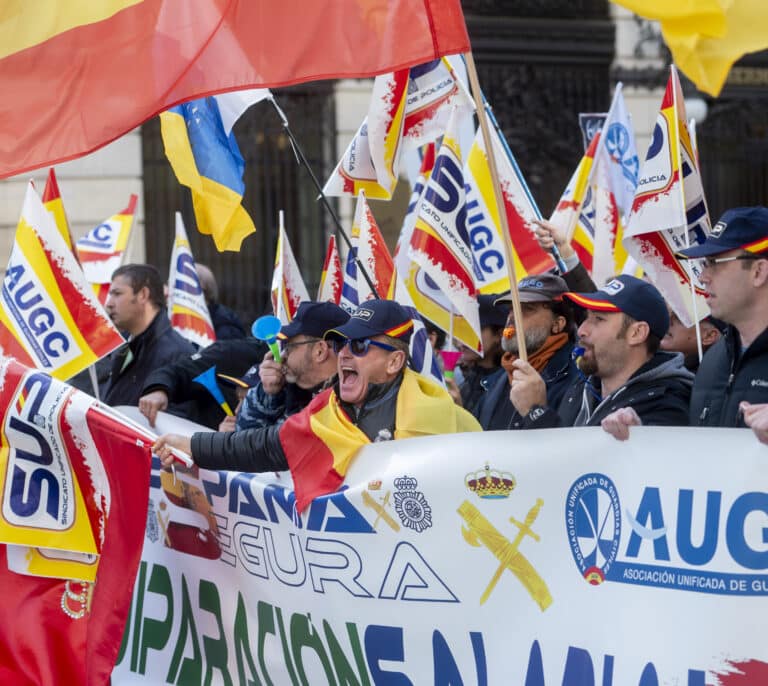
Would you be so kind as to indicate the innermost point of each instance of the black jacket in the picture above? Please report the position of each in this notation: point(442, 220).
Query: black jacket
point(226, 323)
point(157, 346)
point(727, 376)
point(260, 450)
point(659, 392)
point(496, 411)
point(232, 357)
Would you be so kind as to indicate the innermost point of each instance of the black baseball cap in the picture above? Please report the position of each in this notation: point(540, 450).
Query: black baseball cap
point(635, 297)
point(375, 318)
point(538, 288)
point(492, 309)
point(314, 319)
point(741, 227)
point(247, 380)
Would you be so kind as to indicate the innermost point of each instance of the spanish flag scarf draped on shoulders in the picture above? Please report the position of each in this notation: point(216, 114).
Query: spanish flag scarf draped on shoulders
point(321, 441)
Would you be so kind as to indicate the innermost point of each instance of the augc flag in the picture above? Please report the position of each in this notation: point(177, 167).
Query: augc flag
point(440, 243)
point(483, 225)
point(74, 478)
point(205, 157)
point(669, 211)
point(186, 301)
point(102, 249)
point(50, 317)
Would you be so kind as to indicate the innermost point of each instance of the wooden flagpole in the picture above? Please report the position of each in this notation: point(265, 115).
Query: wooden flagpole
point(509, 253)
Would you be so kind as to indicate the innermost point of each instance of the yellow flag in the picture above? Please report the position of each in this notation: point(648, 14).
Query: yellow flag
point(707, 36)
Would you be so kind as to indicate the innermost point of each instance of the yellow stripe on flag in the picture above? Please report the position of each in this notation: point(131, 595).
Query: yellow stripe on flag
point(24, 24)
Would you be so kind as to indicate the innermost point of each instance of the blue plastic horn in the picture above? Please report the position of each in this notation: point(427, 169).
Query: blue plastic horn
point(266, 329)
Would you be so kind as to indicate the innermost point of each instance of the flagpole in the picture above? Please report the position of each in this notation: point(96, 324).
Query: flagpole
point(699, 348)
point(509, 253)
point(301, 158)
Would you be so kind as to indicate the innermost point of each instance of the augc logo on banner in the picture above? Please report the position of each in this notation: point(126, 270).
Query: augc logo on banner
point(38, 483)
point(35, 317)
point(683, 539)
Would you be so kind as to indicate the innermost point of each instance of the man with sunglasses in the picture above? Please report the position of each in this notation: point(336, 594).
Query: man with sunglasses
point(733, 375)
point(375, 398)
point(308, 366)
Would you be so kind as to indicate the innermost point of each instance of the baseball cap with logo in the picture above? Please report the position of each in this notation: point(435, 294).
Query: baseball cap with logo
point(376, 318)
point(313, 319)
point(538, 288)
point(630, 295)
point(741, 227)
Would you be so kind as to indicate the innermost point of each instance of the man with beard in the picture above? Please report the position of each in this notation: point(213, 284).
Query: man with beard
point(549, 333)
point(375, 398)
point(621, 366)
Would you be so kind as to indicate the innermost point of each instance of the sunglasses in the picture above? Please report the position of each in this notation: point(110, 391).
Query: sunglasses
point(359, 346)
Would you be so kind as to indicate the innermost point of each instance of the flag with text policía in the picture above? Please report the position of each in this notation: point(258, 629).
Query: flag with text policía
point(50, 318)
point(187, 308)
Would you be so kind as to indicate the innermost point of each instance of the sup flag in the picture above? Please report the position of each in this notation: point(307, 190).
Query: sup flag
point(329, 289)
point(186, 301)
point(612, 187)
point(54, 204)
point(288, 288)
point(669, 211)
point(201, 147)
point(74, 499)
point(483, 224)
point(102, 249)
point(440, 245)
point(50, 318)
point(408, 108)
point(176, 51)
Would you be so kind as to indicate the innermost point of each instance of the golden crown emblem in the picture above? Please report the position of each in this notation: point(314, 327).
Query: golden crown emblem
point(490, 484)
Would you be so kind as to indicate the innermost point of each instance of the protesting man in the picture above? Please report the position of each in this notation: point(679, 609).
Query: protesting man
point(136, 305)
point(375, 398)
point(308, 367)
point(621, 365)
point(549, 333)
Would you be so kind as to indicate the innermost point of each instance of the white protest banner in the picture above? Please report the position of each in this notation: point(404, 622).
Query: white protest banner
point(539, 558)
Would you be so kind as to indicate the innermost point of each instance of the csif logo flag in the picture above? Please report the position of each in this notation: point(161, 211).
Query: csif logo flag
point(50, 317)
point(102, 249)
point(669, 212)
point(187, 308)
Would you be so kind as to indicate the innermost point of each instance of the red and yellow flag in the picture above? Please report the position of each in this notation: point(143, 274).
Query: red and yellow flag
point(92, 71)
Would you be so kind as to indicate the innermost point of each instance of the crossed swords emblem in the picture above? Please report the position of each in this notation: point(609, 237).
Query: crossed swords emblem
point(480, 532)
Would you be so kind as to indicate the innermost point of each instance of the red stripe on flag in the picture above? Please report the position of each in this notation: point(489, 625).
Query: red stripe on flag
point(174, 51)
point(439, 253)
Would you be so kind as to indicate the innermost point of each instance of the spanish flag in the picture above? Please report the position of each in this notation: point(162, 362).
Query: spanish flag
point(321, 441)
point(78, 75)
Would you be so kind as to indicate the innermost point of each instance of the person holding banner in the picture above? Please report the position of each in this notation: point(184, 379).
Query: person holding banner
point(136, 305)
point(308, 367)
point(549, 335)
point(376, 398)
point(621, 366)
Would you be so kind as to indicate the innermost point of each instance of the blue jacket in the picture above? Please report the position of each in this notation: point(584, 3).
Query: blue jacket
point(496, 412)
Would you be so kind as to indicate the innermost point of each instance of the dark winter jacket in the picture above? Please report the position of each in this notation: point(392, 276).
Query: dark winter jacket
point(260, 409)
point(226, 323)
point(727, 376)
point(496, 411)
point(659, 392)
point(260, 450)
point(232, 357)
point(157, 346)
